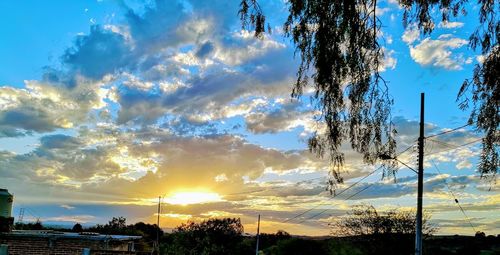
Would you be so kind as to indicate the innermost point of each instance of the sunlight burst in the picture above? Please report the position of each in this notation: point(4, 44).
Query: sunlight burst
point(188, 198)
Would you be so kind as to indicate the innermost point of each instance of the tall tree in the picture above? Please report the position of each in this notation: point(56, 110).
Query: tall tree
point(339, 51)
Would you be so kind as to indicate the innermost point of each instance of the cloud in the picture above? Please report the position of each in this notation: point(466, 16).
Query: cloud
point(389, 61)
point(280, 117)
point(70, 218)
point(172, 60)
point(84, 164)
point(411, 34)
point(69, 207)
point(61, 160)
point(437, 53)
point(60, 142)
point(44, 106)
point(100, 53)
point(451, 24)
point(205, 49)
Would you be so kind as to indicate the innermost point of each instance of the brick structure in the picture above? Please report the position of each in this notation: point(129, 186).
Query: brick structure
point(63, 243)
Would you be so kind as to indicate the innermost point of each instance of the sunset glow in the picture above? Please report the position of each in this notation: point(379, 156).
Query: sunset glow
point(193, 197)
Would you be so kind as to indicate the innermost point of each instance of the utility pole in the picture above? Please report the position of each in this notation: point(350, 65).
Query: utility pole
point(258, 232)
point(418, 230)
point(158, 226)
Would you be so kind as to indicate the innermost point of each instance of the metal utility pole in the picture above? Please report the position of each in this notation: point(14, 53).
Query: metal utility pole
point(258, 232)
point(418, 230)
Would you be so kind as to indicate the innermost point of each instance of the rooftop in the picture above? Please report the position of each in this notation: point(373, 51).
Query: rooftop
point(69, 235)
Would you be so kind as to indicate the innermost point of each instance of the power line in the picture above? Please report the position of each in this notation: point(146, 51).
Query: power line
point(314, 207)
point(449, 131)
point(454, 197)
point(351, 196)
point(405, 150)
point(456, 147)
point(405, 164)
point(272, 188)
point(449, 145)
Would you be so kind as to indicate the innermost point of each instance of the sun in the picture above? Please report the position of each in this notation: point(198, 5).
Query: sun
point(192, 197)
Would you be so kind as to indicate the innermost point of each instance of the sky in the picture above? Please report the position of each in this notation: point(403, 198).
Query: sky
point(106, 105)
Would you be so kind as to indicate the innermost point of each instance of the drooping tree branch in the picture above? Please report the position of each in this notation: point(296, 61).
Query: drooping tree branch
point(482, 92)
point(339, 52)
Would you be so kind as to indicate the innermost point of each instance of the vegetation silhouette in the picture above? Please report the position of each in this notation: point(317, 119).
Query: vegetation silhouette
point(365, 220)
point(226, 236)
point(77, 228)
point(213, 236)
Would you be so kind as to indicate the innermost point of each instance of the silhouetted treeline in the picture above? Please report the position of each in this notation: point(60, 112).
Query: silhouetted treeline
point(226, 236)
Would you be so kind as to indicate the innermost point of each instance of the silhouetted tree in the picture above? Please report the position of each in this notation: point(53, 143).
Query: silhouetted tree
point(365, 220)
point(38, 225)
point(339, 50)
point(77, 228)
point(147, 231)
point(117, 222)
point(213, 236)
point(480, 234)
point(28, 226)
point(118, 226)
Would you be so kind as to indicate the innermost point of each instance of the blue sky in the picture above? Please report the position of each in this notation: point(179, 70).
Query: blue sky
point(104, 105)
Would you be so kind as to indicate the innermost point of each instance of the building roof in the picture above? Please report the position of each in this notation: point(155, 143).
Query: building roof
point(69, 235)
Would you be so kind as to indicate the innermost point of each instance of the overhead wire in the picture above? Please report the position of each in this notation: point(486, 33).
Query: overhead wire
point(316, 206)
point(351, 196)
point(449, 131)
point(399, 154)
point(405, 150)
point(449, 145)
point(456, 147)
point(351, 186)
point(371, 184)
point(454, 197)
point(272, 188)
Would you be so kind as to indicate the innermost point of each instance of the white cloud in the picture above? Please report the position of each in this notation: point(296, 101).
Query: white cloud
point(438, 52)
point(464, 164)
point(480, 58)
point(389, 61)
point(69, 207)
point(411, 34)
point(451, 25)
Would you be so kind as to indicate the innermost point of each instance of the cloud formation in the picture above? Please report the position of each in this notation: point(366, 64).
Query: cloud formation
point(438, 53)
